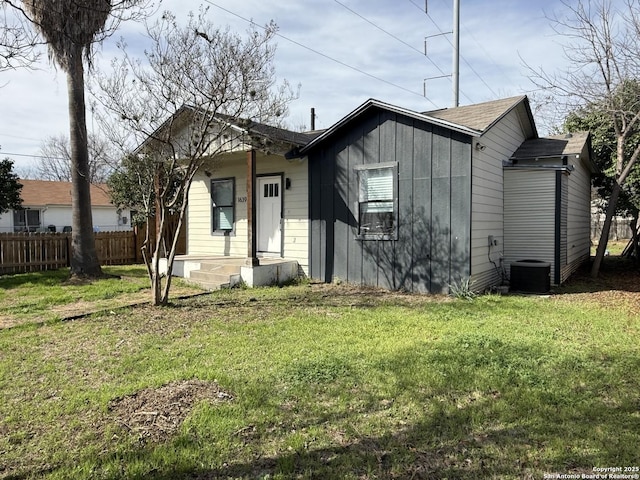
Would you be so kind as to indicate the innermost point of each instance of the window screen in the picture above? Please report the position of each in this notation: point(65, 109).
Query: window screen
point(377, 205)
point(222, 194)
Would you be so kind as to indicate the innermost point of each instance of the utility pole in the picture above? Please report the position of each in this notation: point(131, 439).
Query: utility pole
point(455, 71)
point(456, 53)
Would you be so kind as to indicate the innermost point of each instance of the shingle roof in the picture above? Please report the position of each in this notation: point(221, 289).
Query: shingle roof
point(277, 134)
point(480, 116)
point(471, 119)
point(553, 146)
point(41, 193)
point(372, 103)
point(254, 129)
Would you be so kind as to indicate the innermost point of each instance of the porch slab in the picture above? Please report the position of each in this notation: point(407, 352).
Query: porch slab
point(214, 272)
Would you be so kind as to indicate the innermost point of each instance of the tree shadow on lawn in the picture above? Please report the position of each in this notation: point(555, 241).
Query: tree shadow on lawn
point(616, 274)
point(50, 277)
point(487, 409)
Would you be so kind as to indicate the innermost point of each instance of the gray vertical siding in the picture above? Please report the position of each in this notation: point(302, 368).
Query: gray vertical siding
point(432, 248)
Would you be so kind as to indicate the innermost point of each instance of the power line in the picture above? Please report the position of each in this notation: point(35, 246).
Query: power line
point(422, 53)
point(30, 156)
point(390, 34)
point(443, 34)
point(484, 50)
point(21, 138)
point(461, 56)
point(324, 55)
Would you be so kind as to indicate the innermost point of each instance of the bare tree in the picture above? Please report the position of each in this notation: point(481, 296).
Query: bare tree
point(196, 80)
point(18, 43)
point(601, 48)
point(55, 159)
point(71, 28)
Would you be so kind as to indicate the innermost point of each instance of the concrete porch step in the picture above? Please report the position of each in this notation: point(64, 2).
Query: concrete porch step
point(214, 276)
point(220, 268)
point(209, 286)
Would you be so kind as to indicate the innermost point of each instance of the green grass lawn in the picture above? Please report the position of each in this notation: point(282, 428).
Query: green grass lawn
point(50, 296)
point(326, 382)
point(35, 295)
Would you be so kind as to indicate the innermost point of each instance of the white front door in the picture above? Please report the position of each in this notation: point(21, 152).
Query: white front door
point(269, 214)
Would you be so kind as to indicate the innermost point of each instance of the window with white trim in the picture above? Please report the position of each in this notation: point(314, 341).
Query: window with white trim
point(222, 195)
point(377, 203)
point(26, 220)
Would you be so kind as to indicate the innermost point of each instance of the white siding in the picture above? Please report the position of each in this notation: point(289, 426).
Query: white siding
point(487, 202)
point(201, 240)
point(530, 213)
point(579, 217)
point(105, 219)
point(222, 140)
point(6, 222)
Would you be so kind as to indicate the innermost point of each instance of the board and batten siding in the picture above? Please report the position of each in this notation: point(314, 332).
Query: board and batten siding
point(530, 215)
point(487, 215)
point(201, 240)
point(433, 166)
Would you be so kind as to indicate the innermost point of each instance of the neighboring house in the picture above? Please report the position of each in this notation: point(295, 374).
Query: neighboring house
point(399, 199)
point(418, 201)
point(46, 206)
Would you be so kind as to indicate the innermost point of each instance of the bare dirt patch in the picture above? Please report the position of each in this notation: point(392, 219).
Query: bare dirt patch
point(154, 414)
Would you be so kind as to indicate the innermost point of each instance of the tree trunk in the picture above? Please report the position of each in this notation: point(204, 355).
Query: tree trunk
point(157, 298)
point(84, 258)
point(633, 251)
point(156, 277)
point(606, 226)
point(174, 245)
point(156, 286)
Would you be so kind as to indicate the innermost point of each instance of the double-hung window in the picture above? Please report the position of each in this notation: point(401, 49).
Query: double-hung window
point(222, 195)
point(378, 202)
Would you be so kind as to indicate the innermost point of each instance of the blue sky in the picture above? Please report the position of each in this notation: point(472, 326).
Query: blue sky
point(382, 38)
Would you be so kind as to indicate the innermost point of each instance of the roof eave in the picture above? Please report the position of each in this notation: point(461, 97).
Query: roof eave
point(522, 100)
point(373, 103)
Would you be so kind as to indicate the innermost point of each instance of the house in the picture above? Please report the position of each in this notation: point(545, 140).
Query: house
point(46, 206)
point(419, 201)
point(247, 218)
point(399, 199)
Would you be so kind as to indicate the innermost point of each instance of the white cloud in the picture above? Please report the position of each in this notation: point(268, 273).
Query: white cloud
point(494, 35)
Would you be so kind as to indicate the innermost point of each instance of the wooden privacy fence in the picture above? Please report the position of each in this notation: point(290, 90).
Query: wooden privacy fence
point(621, 228)
point(31, 252)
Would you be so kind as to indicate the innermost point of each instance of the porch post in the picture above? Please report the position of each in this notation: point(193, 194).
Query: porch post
point(252, 258)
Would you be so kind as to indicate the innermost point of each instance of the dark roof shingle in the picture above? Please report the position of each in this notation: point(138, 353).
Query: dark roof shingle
point(480, 116)
point(552, 146)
